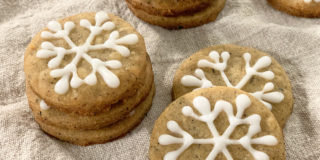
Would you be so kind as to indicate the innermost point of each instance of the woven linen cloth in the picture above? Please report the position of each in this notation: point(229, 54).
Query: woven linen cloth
point(293, 41)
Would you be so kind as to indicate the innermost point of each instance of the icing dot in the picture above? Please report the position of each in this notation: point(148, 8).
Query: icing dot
point(54, 26)
point(43, 105)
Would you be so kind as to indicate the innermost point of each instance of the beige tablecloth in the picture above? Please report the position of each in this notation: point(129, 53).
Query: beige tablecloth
point(294, 42)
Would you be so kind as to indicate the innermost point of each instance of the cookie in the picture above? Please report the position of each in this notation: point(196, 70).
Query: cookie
point(169, 7)
point(117, 112)
point(85, 63)
point(301, 8)
point(217, 123)
point(114, 131)
point(200, 17)
point(238, 67)
point(89, 78)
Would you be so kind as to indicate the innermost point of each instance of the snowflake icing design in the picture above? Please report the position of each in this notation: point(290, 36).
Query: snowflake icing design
point(219, 142)
point(199, 80)
point(114, 42)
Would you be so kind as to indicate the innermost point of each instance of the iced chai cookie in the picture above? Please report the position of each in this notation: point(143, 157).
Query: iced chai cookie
point(237, 67)
point(176, 14)
point(85, 63)
point(87, 75)
point(302, 8)
point(216, 123)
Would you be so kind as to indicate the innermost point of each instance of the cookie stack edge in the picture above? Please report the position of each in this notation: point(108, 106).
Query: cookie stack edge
point(89, 78)
point(203, 12)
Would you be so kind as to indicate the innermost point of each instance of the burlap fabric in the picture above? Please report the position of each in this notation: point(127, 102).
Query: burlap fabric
point(294, 42)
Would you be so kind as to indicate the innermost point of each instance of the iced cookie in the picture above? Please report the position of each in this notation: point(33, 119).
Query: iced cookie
point(102, 135)
point(302, 8)
point(217, 123)
point(180, 14)
point(85, 63)
point(117, 112)
point(237, 67)
point(89, 78)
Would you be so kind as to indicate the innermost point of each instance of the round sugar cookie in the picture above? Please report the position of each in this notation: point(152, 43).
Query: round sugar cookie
point(238, 67)
point(117, 112)
point(169, 7)
point(301, 8)
point(217, 123)
point(103, 135)
point(195, 19)
point(86, 62)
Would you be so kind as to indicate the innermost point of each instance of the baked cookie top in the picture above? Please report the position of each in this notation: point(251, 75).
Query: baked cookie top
point(302, 8)
point(238, 67)
point(85, 62)
point(169, 7)
point(217, 123)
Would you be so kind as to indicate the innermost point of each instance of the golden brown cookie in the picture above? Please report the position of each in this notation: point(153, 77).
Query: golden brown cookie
point(85, 63)
point(169, 7)
point(217, 123)
point(238, 67)
point(114, 131)
point(302, 8)
point(117, 112)
point(198, 18)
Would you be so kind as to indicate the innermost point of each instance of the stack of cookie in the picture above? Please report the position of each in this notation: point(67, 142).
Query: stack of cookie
point(176, 14)
point(230, 103)
point(89, 78)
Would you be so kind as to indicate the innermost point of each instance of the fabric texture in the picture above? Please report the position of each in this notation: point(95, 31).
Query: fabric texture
point(293, 41)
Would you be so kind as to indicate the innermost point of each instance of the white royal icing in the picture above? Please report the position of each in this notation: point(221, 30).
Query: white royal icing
point(219, 142)
point(309, 1)
point(43, 105)
point(200, 80)
point(81, 52)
